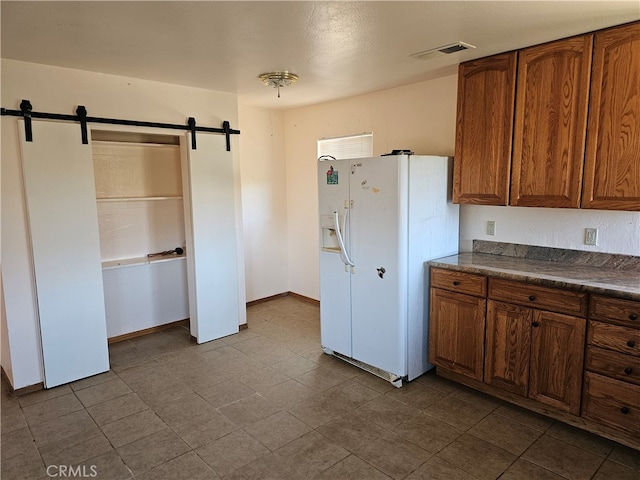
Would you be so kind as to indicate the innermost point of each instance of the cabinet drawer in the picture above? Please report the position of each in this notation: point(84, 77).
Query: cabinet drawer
point(614, 337)
point(624, 312)
point(545, 298)
point(612, 402)
point(461, 282)
point(613, 364)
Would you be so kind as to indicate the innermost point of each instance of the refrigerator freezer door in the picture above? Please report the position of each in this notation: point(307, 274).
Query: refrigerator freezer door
point(379, 250)
point(335, 281)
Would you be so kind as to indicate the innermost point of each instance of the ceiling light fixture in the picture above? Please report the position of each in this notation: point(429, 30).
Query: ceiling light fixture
point(278, 79)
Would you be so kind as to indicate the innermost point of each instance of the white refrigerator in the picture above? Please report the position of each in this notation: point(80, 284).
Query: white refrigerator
point(381, 218)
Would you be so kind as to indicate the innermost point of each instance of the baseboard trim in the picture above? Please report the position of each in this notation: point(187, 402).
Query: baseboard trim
point(24, 390)
point(304, 298)
point(266, 299)
point(147, 331)
point(310, 300)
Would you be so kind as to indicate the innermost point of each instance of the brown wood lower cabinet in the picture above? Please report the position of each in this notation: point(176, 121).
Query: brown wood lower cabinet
point(557, 354)
point(535, 354)
point(612, 380)
point(456, 333)
point(612, 402)
point(577, 361)
point(508, 347)
point(613, 364)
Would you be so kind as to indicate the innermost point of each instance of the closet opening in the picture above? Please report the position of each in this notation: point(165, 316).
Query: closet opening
point(139, 196)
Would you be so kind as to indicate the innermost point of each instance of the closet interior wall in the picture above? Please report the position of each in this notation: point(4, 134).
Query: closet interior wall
point(140, 212)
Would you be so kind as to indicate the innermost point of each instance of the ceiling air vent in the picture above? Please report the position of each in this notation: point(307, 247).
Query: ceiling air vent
point(440, 51)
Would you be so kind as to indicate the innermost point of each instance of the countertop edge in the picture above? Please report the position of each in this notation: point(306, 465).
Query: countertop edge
point(537, 279)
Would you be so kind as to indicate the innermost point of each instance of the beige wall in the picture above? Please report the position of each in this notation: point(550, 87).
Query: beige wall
point(419, 117)
point(264, 201)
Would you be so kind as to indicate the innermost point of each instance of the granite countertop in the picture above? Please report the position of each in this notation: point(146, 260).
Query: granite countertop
point(607, 274)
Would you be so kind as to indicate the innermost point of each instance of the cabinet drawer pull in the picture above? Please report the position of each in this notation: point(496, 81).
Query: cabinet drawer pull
point(535, 324)
point(628, 370)
point(624, 410)
point(633, 316)
point(456, 283)
point(631, 344)
point(532, 298)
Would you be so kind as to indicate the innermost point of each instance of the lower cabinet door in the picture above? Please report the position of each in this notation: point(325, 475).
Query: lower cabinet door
point(508, 347)
point(557, 358)
point(456, 332)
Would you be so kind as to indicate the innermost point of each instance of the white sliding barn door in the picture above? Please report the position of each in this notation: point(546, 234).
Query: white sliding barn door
point(61, 203)
point(210, 224)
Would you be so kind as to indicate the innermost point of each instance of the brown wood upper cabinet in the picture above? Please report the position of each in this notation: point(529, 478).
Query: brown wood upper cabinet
point(612, 161)
point(566, 133)
point(550, 123)
point(484, 126)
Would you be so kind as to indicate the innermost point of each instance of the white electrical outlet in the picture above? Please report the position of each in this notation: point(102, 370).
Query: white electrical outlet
point(491, 227)
point(590, 236)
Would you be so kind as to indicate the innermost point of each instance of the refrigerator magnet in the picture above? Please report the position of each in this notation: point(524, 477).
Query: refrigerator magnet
point(332, 176)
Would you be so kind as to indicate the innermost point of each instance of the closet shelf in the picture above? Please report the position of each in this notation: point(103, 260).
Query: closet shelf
point(131, 262)
point(138, 199)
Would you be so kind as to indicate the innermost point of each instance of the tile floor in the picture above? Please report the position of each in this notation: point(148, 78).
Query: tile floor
point(266, 403)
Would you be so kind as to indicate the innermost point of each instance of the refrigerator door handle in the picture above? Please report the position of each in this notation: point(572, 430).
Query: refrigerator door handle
point(343, 250)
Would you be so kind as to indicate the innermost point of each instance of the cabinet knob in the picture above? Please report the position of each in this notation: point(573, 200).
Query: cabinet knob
point(532, 298)
point(628, 370)
point(633, 316)
point(535, 324)
point(624, 410)
point(631, 344)
point(456, 283)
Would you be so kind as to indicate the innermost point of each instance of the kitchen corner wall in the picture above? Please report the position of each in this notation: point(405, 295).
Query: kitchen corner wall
point(264, 201)
point(421, 117)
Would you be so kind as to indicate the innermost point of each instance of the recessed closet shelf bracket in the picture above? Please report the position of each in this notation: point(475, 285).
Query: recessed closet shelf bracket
point(26, 112)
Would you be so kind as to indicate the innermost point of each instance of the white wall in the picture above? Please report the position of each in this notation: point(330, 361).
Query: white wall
point(421, 117)
point(618, 232)
point(264, 201)
point(60, 90)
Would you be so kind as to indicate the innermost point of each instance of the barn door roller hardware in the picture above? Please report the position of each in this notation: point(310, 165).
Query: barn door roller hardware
point(26, 112)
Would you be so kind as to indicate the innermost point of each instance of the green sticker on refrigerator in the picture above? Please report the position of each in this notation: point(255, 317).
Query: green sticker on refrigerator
point(332, 176)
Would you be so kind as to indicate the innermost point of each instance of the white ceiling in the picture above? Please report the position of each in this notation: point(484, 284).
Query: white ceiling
point(339, 49)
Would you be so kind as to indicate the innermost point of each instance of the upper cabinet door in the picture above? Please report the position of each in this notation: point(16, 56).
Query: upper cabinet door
point(612, 163)
point(550, 124)
point(484, 126)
